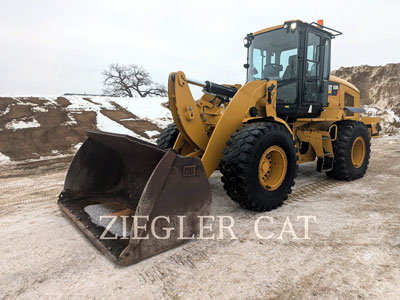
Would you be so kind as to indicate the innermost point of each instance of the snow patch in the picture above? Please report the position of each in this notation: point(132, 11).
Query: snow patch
point(152, 133)
point(19, 102)
point(4, 159)
point(71, 121)
point(39, 109)
point(150, 109)
point(50, 101)
point(77, 146)
point(106, 124)
point(22, 124)
point(2, 113)
point(128, 119)
point(94, 104)
point(45, 157)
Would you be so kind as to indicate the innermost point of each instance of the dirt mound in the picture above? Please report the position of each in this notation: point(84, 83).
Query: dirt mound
point(380, 91)
point(35, 128)
point(378, 85)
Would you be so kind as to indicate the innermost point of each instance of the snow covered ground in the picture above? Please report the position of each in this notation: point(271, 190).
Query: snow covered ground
point(36, 121)
point(106, 124)
point(150, 109)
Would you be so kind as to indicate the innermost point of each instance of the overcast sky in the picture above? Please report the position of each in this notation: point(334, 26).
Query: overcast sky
point(51, 47)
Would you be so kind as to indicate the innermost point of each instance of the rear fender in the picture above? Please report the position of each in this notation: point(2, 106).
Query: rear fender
point(372, 124)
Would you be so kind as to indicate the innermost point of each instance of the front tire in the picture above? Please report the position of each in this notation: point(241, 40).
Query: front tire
point(168, 137)
point(259, 166)
point(352, 150)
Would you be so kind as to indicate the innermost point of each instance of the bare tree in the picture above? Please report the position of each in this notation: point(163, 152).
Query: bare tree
point(126, 80)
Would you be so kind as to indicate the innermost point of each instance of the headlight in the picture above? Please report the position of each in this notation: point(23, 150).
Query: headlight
point(293, 26)
point(247, 40)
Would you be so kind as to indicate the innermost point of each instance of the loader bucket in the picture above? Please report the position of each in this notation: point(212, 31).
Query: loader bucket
point(125, 194)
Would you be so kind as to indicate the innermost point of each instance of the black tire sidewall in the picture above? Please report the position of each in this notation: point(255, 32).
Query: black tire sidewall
point(168, 137)
point(274, 138)
point(363, 132)
point(343, 168)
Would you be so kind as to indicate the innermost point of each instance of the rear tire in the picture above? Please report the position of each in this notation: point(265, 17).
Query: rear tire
point(352, 150)
point(243, 168)
point(168, 137)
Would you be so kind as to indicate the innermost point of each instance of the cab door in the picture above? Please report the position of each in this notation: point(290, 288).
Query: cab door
point(316, 72)
point(313, 85)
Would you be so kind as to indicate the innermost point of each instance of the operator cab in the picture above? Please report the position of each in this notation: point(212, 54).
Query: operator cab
point(297, 55)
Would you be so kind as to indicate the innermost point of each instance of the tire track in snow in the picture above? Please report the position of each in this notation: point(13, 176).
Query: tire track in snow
point(29, 200)
point(316, 187)
point(29, 190)
point(35, 184)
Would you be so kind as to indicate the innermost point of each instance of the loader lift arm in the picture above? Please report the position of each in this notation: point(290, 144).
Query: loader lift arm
point(188, 117)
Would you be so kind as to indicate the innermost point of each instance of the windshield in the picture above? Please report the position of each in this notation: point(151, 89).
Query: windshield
point(273, 55)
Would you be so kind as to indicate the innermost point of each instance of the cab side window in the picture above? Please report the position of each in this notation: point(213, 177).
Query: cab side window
point(313, 55)
point(312, 82)
point(327, 59)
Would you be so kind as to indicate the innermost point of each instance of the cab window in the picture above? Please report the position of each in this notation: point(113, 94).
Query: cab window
point(273, 56)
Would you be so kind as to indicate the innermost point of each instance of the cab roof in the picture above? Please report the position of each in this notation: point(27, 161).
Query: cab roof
point(275, 27)
point(331, 32)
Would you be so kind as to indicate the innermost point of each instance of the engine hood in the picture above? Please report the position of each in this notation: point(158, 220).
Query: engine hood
point(344, 82)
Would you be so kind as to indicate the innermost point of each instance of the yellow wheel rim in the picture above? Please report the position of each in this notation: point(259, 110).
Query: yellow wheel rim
point(272, 168)
point(358, 152)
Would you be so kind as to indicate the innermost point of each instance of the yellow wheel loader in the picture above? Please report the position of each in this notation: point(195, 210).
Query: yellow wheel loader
point(133, 199)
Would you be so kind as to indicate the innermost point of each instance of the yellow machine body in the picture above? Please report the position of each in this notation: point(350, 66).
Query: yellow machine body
point(205, 127)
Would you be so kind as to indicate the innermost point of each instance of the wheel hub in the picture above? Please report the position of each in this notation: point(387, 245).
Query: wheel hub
point(272, 168)
point(358, 152)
